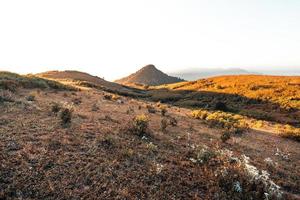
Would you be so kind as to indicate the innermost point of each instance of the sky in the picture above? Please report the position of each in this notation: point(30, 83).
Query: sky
point(113, 38)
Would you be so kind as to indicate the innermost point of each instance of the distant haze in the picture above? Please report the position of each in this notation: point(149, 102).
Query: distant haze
point(197, 73)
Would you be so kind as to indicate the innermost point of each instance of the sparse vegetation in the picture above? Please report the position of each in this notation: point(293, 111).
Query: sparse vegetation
point(41, 159)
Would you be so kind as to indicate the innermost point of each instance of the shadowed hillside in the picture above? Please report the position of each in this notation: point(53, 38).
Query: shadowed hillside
point(148, 75)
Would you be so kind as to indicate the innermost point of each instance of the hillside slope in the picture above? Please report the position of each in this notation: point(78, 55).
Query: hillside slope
point(58, 143)
point(148, 75)
point(87, 80)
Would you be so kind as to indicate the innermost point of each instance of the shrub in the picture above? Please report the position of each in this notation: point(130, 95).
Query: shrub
point(30, 97)
point(77, 101)
point(107, 97)
point(56, 107)
point(221, 119)
point(202, 155)
point(200, 114)
point(163, 125)
point(163, 110)
point(10, 85)
point(140, 125)
point(226, 135)
point(95, 107)
point(172, 121)
point(6, 95)
point(221, 106)
point(289, 131)
point(66, 115)
point(150, 109)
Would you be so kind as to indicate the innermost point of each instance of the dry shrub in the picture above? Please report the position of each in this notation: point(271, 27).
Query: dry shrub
point(95, 107)
point(226, 135)
point(77, 101)
point(163, 110)
point(221, 120)
point(66, 115)
point(107, 97)
point(150, 109)
point(56, 107)
point(289, 131)
point(163, 125)
point(173, 122)
point(30, 97)
point(221, 106)
point(138, 126)
point(6, 95)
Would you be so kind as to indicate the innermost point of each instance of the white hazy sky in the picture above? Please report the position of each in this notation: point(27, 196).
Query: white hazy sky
point(112, 38)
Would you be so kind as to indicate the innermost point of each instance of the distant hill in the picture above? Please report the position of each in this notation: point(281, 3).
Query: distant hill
point(85, 79)
point(195, 74)
point(149, 75)
point(76, 76)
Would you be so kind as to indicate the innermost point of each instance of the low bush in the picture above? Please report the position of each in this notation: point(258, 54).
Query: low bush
point(56, 107)
point(163, 125)
point(173, 121)
point(140, 125)
point(221, 119)
point(66, 115)
point(30, 97)
point(6, 95)
point(150, 109)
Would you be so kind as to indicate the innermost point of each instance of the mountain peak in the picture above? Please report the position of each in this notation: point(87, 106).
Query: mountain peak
point(149, 67)
point(148, 75)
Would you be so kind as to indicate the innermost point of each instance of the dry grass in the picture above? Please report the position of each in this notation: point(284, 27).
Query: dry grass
point(98, 157)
